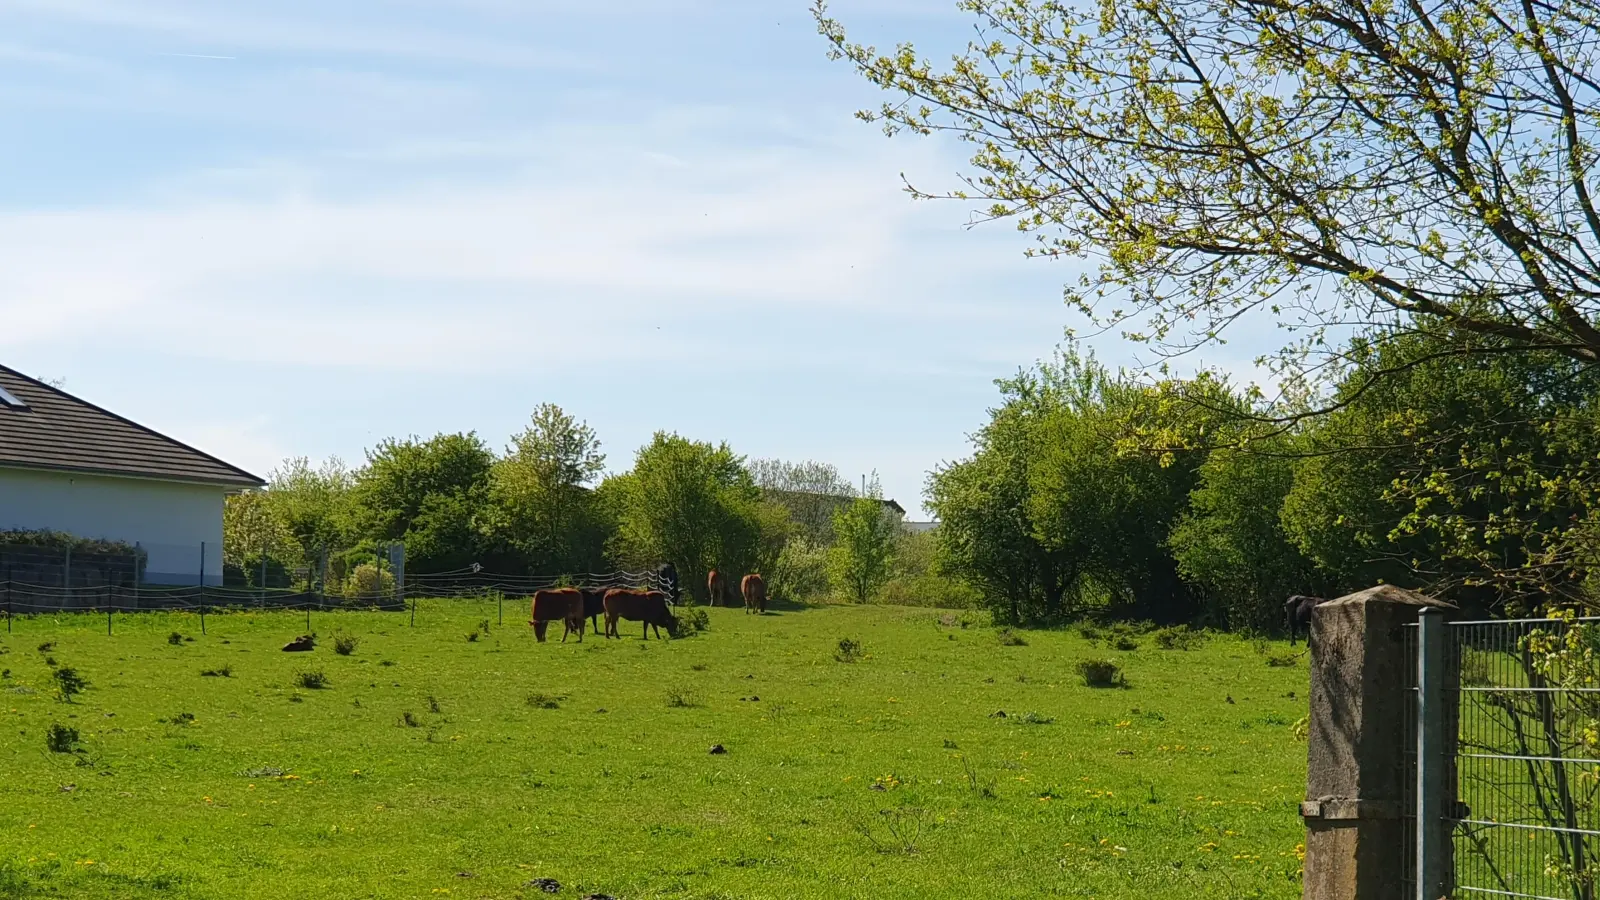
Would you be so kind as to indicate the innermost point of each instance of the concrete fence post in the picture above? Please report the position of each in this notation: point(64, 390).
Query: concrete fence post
point(1358, 773)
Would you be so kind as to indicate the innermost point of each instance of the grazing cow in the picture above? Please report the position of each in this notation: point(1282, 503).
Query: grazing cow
point(594, 604)
point(668, 576)
point(1297, 612)
point(754, 589)
point(649, 607)
point(557, 605)
point(714, 587)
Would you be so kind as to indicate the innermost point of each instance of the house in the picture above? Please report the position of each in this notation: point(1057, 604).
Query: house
point(920, 527)
point(69, 466)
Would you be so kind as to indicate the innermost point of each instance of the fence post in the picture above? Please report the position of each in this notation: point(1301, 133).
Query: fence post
point(1431, 762)
point(202, 565)
point(1358, 775)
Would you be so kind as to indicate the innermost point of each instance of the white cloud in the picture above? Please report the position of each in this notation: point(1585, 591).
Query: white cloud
point(463, 273)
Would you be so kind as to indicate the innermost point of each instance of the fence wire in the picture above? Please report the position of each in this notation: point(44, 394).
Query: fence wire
point(23, 598)
point(1527, 823)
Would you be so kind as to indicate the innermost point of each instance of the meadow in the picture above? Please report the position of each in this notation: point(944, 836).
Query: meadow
point(461, 759)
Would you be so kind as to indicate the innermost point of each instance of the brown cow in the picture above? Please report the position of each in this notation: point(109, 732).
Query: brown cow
point(714, 587)
point(558, 604)
point(754, 590)
point(649, 607)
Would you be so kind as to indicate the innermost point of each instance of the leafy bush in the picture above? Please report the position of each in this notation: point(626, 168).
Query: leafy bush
point(1090, 632)
point(409, 719)
point(849, 651)
point(929, 590)
point(1178, 637)
point(175, 639)
point(801, 572)
point(345, 644)
point(1124, 642)
point(1009, 638)
point(368, 582)
point(312, 680)
point(692, 620)
point(545, 701)
point(472, 637)
point(69, 683)
point(1101, 673)
point(681, 697)
point(223, 671)
point(62, 738)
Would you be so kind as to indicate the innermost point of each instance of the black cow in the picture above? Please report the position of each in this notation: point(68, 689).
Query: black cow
point(594, 604)
point(1297, 614)
point(668, 575)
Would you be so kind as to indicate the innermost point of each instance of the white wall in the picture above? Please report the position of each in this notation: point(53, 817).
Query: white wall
point(169, 520)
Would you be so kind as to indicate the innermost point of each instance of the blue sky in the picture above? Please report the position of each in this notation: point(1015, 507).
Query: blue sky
point(294, 228)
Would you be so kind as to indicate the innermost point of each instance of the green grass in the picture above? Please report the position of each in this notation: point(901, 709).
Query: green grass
point(429, 766)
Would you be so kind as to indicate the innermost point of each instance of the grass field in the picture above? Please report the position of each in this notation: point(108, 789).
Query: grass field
point(434, 766)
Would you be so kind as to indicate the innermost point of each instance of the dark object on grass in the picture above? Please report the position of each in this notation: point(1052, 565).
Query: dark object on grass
point(548, 885)
point(1001, 714)
point(718, 750)
point(1101, 673)
point(300, 644)
point(1297, 614)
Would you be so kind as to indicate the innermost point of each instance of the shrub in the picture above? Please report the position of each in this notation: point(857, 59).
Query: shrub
point(801, 572)
point(345, 644)
point(1283, 660)
point(311, 681)
point(61, 738)
point(409, 720)
point(692, 620)
point(849, 651)
point(175, 639)
point(1125, 643)
point(1101, 673)
point(472, 637)
point(681, 697)
point(69, 683)
point(1009, 638)
point(368, 582)
point(223, 671)
point(1090, 633)
point(545, 701)
point(47, 646)
point(1178, 637)
point(183, 718)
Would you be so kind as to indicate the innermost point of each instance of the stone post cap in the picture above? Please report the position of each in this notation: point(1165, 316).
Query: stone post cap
point(1388, 593)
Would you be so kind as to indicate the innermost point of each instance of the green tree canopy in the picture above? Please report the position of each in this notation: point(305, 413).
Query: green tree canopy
point(428, 494)
point(694, 504)
point(1331, 163)
point(540, 507)
point(864, 542)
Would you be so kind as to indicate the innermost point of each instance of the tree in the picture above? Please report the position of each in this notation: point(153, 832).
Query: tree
point(988, 537)
point(864, 533)
point(692, 503)
point(1331, 163)
point(540, 505)
point(428, 494)
point(812, 491)
point(1230, 543)
point(1471, 474)
point(251, 527)
point(313, 504)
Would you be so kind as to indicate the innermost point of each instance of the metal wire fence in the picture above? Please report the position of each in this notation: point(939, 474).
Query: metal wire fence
point(1527, 757)
point(21, 598)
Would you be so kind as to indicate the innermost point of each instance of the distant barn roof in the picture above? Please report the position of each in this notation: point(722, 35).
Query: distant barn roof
point(42, 427)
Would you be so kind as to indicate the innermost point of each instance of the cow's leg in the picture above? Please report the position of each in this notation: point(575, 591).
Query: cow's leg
point(646, 631)
point(539, 630)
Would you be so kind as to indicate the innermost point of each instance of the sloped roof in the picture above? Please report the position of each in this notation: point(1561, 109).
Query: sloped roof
point(54, 430)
